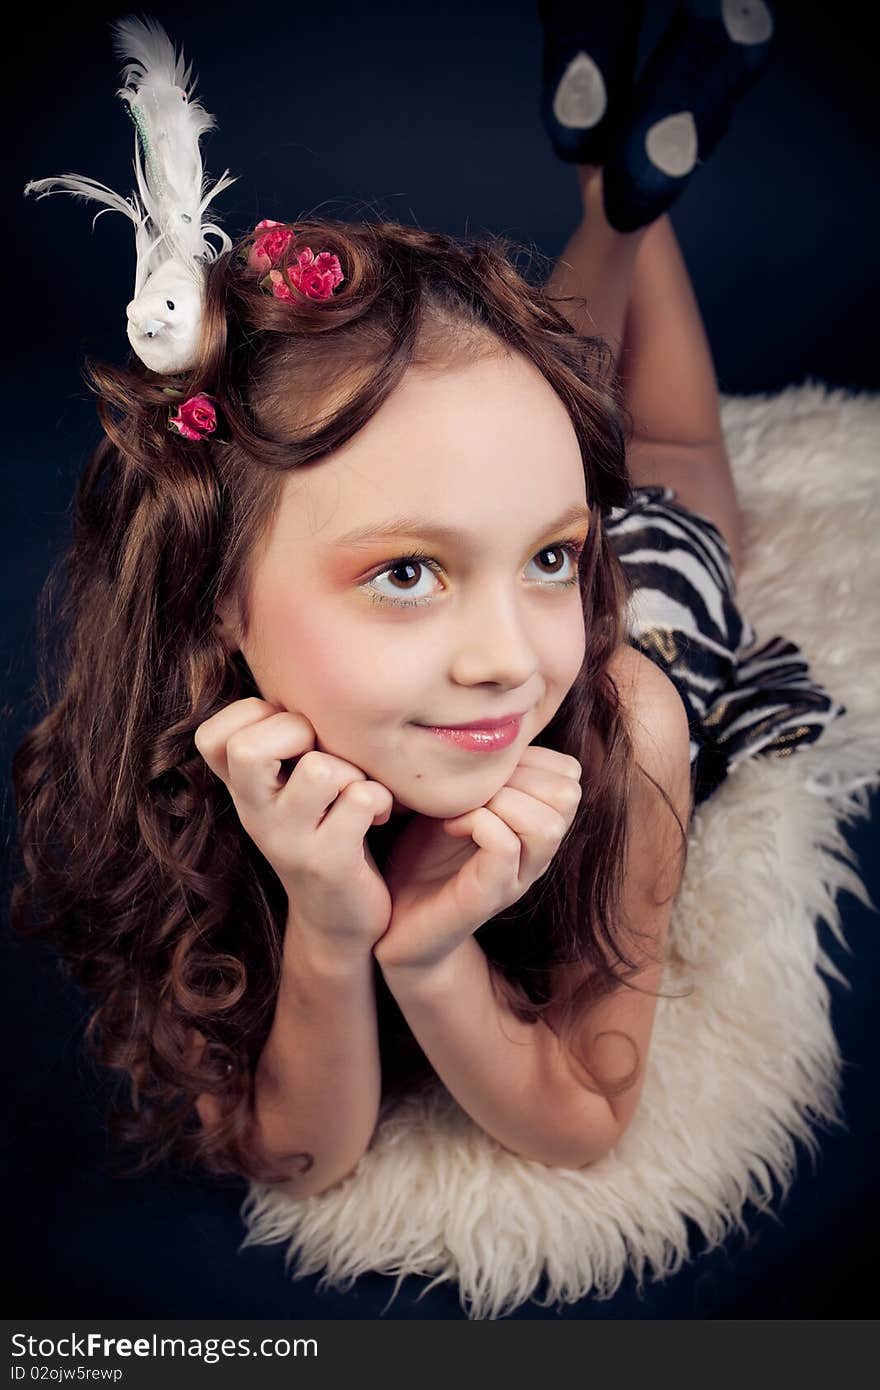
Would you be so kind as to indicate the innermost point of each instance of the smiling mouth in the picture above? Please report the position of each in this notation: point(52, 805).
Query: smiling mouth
point(495, 723)
point(480, 738)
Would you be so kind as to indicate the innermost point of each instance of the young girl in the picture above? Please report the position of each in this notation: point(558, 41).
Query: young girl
point(392, 671)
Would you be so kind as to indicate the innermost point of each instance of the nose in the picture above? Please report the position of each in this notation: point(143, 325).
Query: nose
point(152, 327)
point(493, 644)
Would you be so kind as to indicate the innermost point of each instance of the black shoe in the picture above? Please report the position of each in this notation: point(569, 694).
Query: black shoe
point(682, 104)
point(587, 70)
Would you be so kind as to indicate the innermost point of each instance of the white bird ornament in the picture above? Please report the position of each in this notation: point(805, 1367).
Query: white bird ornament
point(171, 240)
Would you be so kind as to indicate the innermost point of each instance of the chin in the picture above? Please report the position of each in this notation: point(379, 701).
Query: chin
point(443, 807)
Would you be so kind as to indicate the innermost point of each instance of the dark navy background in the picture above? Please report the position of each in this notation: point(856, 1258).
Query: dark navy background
point(427, 114)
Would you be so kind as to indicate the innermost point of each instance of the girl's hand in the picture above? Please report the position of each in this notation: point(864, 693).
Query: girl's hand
point(444, 886)
point(310, 824)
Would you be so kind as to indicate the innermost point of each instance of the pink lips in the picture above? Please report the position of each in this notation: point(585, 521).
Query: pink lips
point(481, 738)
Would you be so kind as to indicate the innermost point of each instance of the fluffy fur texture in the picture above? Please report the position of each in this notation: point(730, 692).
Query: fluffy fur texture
point(747, 1065)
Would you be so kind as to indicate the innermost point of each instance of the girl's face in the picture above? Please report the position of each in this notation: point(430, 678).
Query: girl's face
point(478, 469)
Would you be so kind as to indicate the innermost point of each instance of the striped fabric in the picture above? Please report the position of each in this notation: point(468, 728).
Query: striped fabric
point(741, 699)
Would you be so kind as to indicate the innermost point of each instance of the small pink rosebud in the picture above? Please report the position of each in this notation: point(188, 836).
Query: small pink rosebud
point(196, 418)
point(316, 276)
point(268, 249)
point(278, 287)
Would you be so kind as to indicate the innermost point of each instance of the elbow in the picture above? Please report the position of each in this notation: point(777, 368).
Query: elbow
point(317, 1181)
point(588, 1154)
point(325, 1184)
point(590, 1142)
point(325, 1172)
point(575, 1150)
point(288, 1167)
point(596, 1152)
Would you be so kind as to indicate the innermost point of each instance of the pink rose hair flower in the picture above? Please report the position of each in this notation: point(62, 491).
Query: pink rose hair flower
point(196, 418)
point(269, 248)
point(314, 276)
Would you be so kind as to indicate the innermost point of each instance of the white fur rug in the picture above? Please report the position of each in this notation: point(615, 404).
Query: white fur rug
point(747, 1064)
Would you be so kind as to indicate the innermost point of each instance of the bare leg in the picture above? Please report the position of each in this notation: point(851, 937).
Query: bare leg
point(640, 299)
point(596, 266)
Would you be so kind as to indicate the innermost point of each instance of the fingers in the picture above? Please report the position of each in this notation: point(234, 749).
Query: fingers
point(211, 737)
point(496, 869)
point(557, 790)
point(541, 827)
point(359, 805)
point(322, 785)
point(536, 756)
point(520, 836)
point(537, 807)
point(332, 886)
point(245, 742)
point(552, 779)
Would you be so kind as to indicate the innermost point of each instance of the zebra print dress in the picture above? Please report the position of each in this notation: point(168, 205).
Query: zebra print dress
point(741, 699)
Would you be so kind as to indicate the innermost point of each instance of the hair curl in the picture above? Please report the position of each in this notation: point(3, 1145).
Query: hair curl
point(136, 868)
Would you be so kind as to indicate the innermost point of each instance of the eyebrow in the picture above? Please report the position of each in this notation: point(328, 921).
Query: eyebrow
point(432, 530)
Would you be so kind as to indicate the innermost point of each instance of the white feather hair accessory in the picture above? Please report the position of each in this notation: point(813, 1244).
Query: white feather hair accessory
point(171, 240)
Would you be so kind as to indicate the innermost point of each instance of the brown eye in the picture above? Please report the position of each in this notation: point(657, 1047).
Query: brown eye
point(397, 569)
point(556, 552)
point(423, 566)
point(560, 553)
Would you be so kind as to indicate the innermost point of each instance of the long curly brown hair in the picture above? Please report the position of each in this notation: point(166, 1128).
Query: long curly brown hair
point(135, 866)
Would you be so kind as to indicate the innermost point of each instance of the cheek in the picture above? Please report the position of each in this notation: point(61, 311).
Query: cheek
point(381, 672)
point(579, 646)
point(341, 671)
point(564, 645)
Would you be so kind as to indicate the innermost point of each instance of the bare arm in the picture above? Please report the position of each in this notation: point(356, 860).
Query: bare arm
point(318, 1080)
point(509, 1076)
point(513, 1078)
point(317, 1083)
